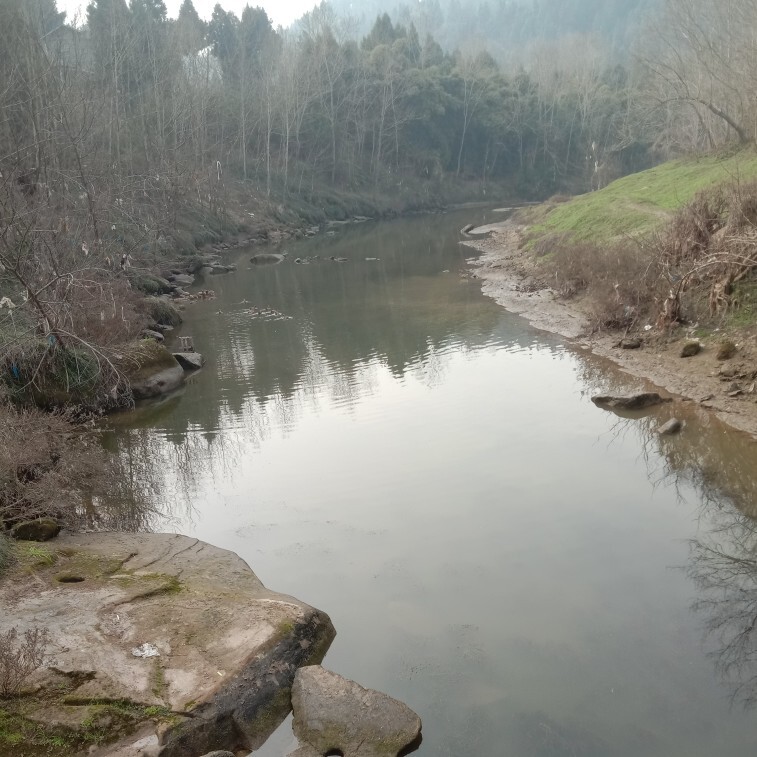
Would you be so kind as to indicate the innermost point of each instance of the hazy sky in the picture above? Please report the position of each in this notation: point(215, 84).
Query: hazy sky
point(281, 12)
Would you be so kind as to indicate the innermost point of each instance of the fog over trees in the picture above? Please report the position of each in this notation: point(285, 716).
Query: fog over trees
point(123, 121)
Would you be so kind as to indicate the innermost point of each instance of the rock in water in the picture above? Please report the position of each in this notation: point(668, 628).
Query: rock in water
point(189, 361)
point(632, 402)
point(673, 426)
point(42, 529)
point(333, 715)
point(691, 348)
point(267, 258)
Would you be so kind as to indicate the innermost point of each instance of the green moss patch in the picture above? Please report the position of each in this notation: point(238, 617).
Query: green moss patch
point(30, 727)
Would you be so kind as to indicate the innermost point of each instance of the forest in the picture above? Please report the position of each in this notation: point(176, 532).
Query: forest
point(125, 140)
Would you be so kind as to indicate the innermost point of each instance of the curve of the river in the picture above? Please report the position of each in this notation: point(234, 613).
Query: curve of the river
point(534, 576)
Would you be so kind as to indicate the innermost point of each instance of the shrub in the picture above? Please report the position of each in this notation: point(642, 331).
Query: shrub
point(49, 466)
point(623, 283)
point(20, 657)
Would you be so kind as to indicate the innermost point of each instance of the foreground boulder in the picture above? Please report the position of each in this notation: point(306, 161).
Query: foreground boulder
point(638, 401)
point(333, 715)
point(167, 645)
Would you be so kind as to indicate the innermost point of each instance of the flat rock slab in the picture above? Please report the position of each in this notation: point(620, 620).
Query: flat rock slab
point(333, 715)
point(639, 401)
point(228, 648)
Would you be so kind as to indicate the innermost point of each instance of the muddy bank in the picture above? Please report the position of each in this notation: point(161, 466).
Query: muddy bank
point(511, 277)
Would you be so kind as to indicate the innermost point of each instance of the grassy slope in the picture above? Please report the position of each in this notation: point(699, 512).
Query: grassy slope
point(636, 204)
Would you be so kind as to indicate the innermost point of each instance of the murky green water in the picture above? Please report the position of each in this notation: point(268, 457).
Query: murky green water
point(520, 567)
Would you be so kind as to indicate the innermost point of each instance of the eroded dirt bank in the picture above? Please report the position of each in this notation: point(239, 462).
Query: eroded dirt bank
point(725, 387)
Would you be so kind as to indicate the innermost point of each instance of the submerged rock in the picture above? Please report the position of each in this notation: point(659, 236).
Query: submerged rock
point(638, 401)
point(228, 647)
point(673, 426)
point(267, 258)
point(333, 715)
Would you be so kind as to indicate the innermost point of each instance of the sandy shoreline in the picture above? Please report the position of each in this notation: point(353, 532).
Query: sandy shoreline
point(508, 276)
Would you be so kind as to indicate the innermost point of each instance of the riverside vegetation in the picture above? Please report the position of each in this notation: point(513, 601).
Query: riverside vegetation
point(671, 246)
point(133, 144)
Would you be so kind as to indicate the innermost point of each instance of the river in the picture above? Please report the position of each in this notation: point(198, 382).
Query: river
point(531, 574)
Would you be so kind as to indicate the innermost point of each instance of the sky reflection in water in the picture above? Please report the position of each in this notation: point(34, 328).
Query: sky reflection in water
point(493, 549)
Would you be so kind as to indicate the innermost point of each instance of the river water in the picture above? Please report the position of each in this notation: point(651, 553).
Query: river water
point(533, 575)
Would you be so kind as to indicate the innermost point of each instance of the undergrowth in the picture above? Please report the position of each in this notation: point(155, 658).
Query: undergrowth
point(698, 266)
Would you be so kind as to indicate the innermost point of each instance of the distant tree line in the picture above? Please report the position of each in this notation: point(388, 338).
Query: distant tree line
point(138, 97)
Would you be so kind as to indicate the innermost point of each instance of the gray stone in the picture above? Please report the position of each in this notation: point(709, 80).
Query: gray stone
point(333, 714)
point(219, 754)
point(673, 426)
point(691, 348)
point(630, 344)
point(638, 401)
point(42, 529)
point(159, 382)
point(267, 258)
point(218, 269)
point(189, 361)
point(152, 334)
point(229, 647)
point(182, 279)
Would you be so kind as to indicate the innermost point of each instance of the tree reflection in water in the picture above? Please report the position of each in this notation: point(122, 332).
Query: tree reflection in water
point(721, 467)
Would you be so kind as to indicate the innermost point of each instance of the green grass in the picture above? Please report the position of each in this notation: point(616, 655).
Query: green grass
point(637, 204)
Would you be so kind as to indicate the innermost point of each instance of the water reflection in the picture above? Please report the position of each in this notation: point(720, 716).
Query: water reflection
point(416, 461)
point(721, 466)
point(354, 326)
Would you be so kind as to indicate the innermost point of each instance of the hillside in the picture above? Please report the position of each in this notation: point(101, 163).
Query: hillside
point(509, 27)
point(639, 203)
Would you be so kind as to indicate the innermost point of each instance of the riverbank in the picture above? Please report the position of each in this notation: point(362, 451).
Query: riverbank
point(513, 278)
